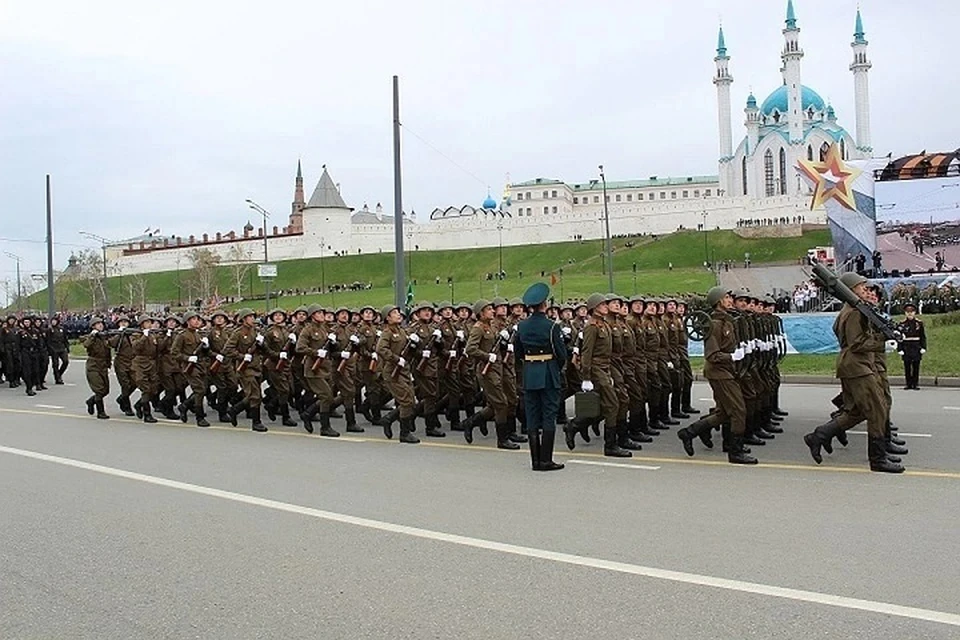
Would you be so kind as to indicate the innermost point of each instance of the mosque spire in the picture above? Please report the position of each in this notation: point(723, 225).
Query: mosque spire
point(791, 16)
point(859, 37)
point(721, 44)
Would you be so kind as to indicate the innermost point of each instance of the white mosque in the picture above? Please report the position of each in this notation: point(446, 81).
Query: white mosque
point(755, 181)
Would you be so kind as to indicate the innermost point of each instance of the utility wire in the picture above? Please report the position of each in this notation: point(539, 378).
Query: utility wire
point(445, 156)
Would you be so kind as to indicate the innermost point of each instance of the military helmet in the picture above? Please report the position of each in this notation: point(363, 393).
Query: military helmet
point(219, 312)
point(300, 309)
point(385, 311)
point(423, 304)
point(276, 311)
point(340, 308)
point(498, 302)
point(464, 305)
point(479, 306)
point(515, 301)
point(610, 297)
point(94, 320)
point(742, 293)
point(595, 300)
point(145, 318)
point(312, 309)
point(190, 314)
point(444, 304)
point(368, 306)
point(638, 298)
point(715, 295)
point(243, 313)
point(121, 318)
point(852, 279)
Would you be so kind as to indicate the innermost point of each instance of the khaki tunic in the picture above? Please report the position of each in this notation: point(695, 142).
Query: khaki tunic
point(390, 348)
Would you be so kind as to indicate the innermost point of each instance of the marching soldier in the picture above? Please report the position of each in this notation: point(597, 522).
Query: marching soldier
point(484, 350)
point(58, 348)
point(122, 344)
point(344, 374)
point(426, 380)
point(191, 352)
point(221, 372)
point(245, 347)
point(315, 344)
point(98, 368)
point(11, 352)
point(503, 323)
point(279, 343)
point(912, 347)
point(469, 387)
point(454, 340)
point(639, 428)
point(171, 378)
point(367, 374)
point(146, 367)
point(721, 353)
point(31, 350)
point(394, 350)
point(541, 347)
point(621, 368)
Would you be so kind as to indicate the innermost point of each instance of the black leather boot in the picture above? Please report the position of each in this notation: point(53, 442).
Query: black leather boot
point(287, 421)
point(737, 455)
point(675, 411)
point(635, 430)
point(876, 451)
point(101, 412)
point(624, 439)
point(183, 408)
point(685, 400)
point(147, 412)
point(611, 448)
point(387, 420)
point(307, 416)
point(351, 417)
point(890, 447)
point(257, 425)
point(325, 429)
point(820, 438)
point(453, 417)
point(200, 413)
point(535, 453)
point(235, 410)
point(503, 437)
point(433, 428)
point(570, 434)
point(664, 414)
point(468, 425)
point(406, 431)
point(91, 404)
point(515, 435)
point(138, 408)
point(694, 430)
point(546, 452)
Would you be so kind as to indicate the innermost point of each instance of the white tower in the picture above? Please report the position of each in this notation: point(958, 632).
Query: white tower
point(861, 88)
point(746, 171)
point(792, 54)
point(723, 80)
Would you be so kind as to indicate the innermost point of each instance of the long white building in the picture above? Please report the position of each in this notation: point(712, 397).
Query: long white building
point(754, 181)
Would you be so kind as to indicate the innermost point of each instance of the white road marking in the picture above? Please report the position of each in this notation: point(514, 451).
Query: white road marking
point(814, 597)
point(899, 433)
point(706, 399)
point(48, 406)
point(951, 408)
point(69, 384)
point(623, 465)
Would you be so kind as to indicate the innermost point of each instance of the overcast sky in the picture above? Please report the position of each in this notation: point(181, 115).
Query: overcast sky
point(170, 114)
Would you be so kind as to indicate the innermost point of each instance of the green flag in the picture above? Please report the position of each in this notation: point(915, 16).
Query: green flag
point(409, 295)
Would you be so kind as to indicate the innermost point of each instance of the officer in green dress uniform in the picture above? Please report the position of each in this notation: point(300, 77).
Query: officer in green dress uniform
point(539, 345)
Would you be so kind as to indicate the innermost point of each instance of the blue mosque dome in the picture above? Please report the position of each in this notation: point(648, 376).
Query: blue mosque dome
point(489, 203)
point(777, 101)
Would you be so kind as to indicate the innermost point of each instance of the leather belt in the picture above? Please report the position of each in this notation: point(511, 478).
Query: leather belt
point(538, 358)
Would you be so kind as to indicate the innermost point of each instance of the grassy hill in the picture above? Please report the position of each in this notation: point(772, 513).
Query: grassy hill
point(581, 263)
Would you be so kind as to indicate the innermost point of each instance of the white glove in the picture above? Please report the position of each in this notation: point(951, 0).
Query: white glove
point(402, 362)
point(510, 348)
point(283, 355)
point(260, 338)
point(220, 357)
point(580, 336)
point(93, 332)
point(437, 333)
point(292, 337)
point(169, 332)
point(146, 333)
point(460, 334)
point(425, 353)
point(192, 359)
point(586, 385)
point(890, 345)
point(453, 354)
point(374, 356)
point(900, 353)
point(321, 353)
point(332, 337)
point(205, 341)
point(379, 333)
point(492, 357)
point(355, 339)
point(248, 358)
point(504, 334)
point(669, 365)
point(737, 355)
point(922, 351)
point(414, 338)
point(576, 351)
point(345, 355)
point(746, 347)
point(566, 331)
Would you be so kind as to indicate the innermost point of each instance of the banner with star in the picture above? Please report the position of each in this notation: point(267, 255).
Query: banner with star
point(846, 191)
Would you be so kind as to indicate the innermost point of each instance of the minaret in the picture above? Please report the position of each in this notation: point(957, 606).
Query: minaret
point(861, 88)
point(296, 209)
point(753, 138)
point(723, 80)
point(792, 54)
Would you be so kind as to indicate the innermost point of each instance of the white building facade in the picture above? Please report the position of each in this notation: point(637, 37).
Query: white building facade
point(756, 181)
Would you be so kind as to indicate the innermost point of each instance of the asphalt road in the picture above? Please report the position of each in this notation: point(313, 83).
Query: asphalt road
point(115, 529)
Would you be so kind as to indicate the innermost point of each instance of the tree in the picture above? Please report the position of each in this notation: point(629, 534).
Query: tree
point(240, 264)
point(137, 292)
point(91, 276)
point(204, 263)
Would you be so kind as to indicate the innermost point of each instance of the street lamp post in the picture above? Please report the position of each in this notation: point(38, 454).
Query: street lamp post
point(103, 245)
point(266, 281)
point(19, 286)
point(606, 222)
point(500, 248)
point(706, 252)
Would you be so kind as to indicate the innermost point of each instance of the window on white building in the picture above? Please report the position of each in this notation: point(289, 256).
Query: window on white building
point(529, 211)
point(553, 194)
point(651, 196)
point(519, 196)
point(596, 199)
point(546, 194)
point(554, 209)
point(783, 172)
point(663, 195)
point(673, 195)
point(629, 197)
point(606, 198)
point(546, 209)
point(686, 194)
point(618, 197)
point(707, 193)
point(575, 200)
point(768, 173)
point(696, 193)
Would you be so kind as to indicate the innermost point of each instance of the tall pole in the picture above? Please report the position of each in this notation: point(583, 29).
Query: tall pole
point(500, 245)
point(51, 299)
point(606, 223)
point(399, 294)
point(19, 290)
point(266, 281)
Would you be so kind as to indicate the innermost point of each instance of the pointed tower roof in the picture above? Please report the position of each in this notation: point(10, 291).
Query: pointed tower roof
point(326, 194)
point(721, 44)
point(858, 34)
point(299, 172)
point(791, 16)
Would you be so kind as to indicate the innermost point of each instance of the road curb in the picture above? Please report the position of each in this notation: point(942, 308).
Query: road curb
point(925, 381)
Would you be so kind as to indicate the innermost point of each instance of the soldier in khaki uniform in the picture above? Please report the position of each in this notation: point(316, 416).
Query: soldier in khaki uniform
point(426, 373)
point(484, 348)
point(122, 344)
point(344, 372)
point(448, 364)
point(316, 344)
point(651, 347)
point(191, 351)
point(367, 375)
point(221, 372)
point(721, 352)
point(503, 322)
point(245, 347)
point(393, 352)
point(279, 344)
point(469, 387)
point(686, 371)
point(621, 368)
point(98, 367)
point(146, 367)
point(675, 337)
point(595, 369)
point(639, 427)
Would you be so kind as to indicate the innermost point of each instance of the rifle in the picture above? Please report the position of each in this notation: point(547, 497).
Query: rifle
point(328, 346)
point(575, 351)
point(288, 347)
point(196, 352)
point(436, 342)
point(829, 281)
point(508, 353)
point(242, 365)
point(373, 355)
point(499, 344)
point(458, 346)
point(351, 349)
point(409, 346)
